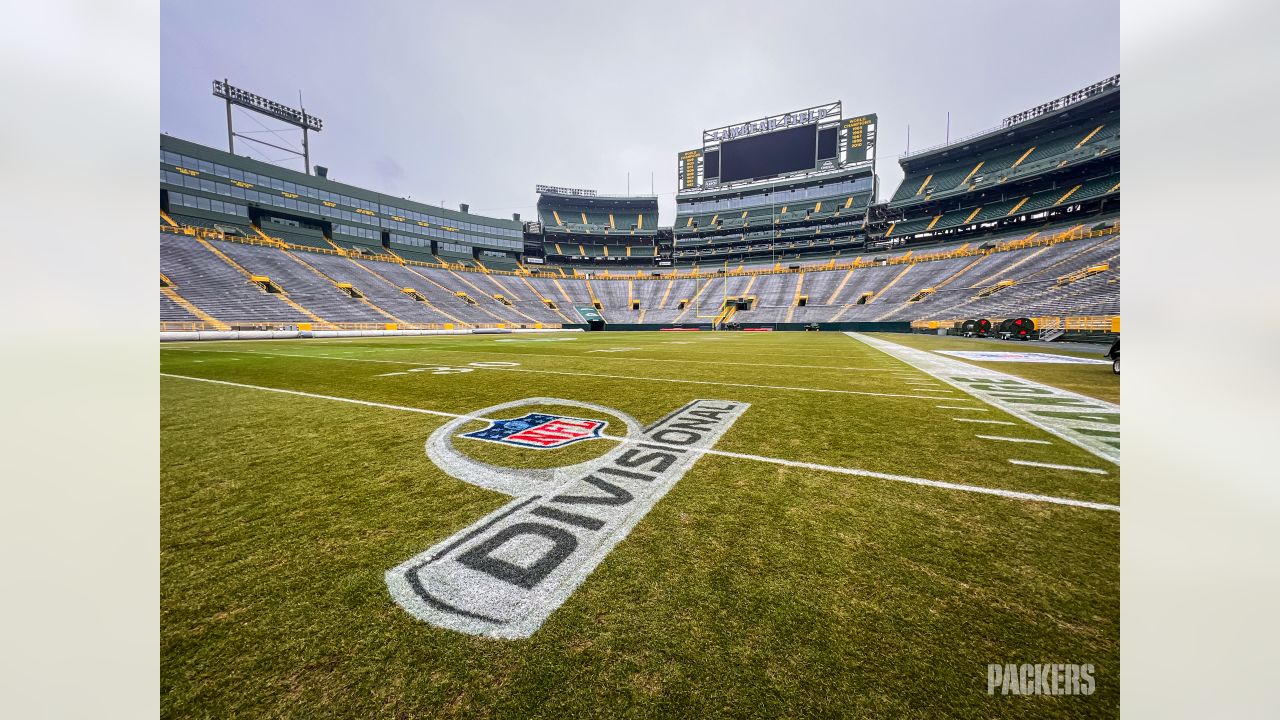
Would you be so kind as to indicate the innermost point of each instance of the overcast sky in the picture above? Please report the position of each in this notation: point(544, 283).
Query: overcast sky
point(477, 102)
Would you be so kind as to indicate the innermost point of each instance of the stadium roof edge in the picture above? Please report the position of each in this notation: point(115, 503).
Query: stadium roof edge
point(598, 196)
point(991, 133)
point(174, 143)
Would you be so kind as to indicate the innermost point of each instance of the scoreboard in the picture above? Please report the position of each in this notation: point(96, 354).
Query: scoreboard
point(860, 138)
point(804, 141)
point(769, 154)
point(689, 166)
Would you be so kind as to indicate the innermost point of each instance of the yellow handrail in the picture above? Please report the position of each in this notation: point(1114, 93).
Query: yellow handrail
point(1033, 240)
point(196, 326)
point(1068, 322)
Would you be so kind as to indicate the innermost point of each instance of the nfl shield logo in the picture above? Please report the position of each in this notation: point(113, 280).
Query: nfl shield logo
point(540, 431)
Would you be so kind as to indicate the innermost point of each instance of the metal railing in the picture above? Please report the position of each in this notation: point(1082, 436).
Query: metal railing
point(1098, 323)
point(293, 326)
point(1017, 119)
point(1033, 240)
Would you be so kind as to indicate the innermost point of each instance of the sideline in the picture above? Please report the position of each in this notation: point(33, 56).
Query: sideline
point(856, 472)
point(581, 374)
point(1085, 422)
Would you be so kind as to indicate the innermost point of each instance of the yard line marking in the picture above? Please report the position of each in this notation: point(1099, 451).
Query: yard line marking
point(317, 396)
point(455, 338)
point(985, 422)
point(599, 375)
point(629, 358)
point(593, 358)
point(1086, 422)
point(1017, 440)
point(954, 407)
point(920, 481)
point(857, 472)
point(725, 384)
point(1077, 468)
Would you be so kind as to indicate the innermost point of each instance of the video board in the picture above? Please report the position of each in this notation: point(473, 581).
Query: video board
point(770, 154)
point(804, 141)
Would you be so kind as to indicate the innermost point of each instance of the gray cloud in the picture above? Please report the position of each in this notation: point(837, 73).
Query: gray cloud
point(476, 102)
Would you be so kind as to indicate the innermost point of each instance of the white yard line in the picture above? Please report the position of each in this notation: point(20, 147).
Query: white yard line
point(724, 384)
point(595, 375)
point(857, 472)
point(462, 339)
point(1076, 468)
point(921, 481)
point(283, 391)
point(955, 407)
point(1015, 440)
point(628, 358)
point(1086, 422)
point(984, 422)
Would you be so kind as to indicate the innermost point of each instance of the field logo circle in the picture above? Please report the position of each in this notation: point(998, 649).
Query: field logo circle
point(517, 481)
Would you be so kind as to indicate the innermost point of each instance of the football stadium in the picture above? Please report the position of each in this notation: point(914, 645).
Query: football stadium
point(810, 447)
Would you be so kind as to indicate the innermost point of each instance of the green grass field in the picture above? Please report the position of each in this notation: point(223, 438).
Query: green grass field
point(758, 586)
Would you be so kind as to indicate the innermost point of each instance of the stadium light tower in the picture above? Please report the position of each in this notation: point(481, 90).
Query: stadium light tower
point(296, 117)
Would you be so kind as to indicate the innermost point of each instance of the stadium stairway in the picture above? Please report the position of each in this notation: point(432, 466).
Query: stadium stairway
point(171, 311)
point(175, 308)
point(552, 288)
point(574, 292)
point(1033, 293)
point(613, 296)
point(675, 291)
point(219, 282)
point(485, 302)
point(708, 296)
point(550, 304)
point(530, 312)
point(647, 293)
point(796, 296)
point(349, 291)
point(431, 285)
point(311, 290)
point(267, 284)
point(591, 293)
point(380, 292)
point(219, 287)
point(926, 276)
point(1061, 147)
point(412, 292)
point(1000, 266)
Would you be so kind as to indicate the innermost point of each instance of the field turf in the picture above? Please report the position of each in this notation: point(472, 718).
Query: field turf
point(759, 586)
